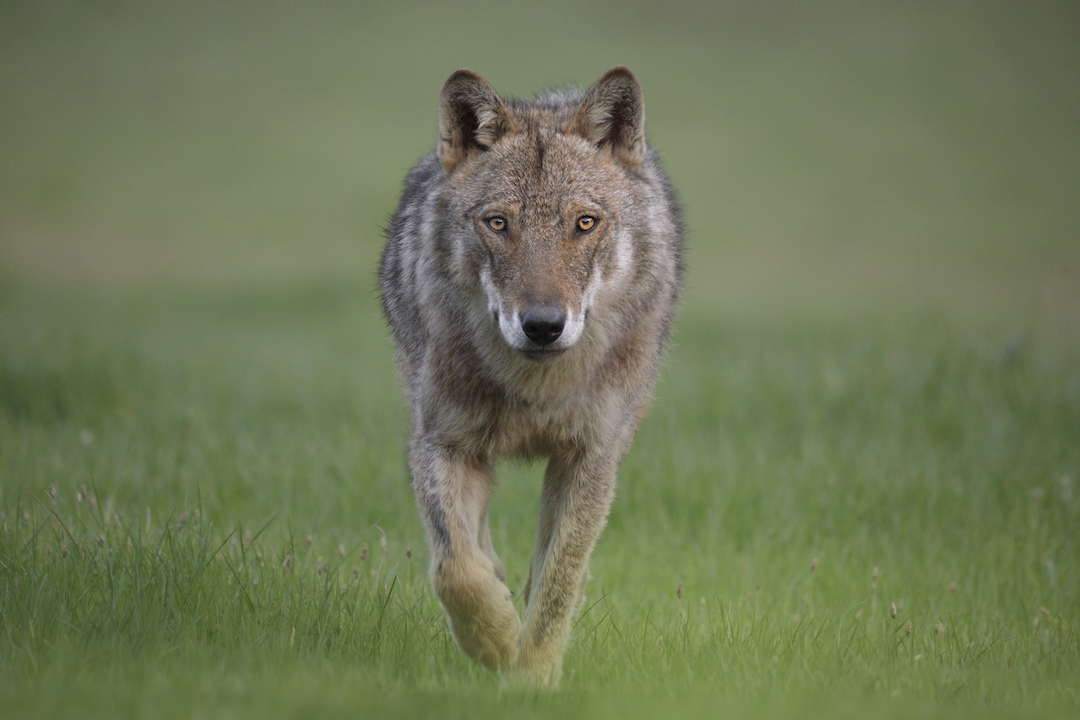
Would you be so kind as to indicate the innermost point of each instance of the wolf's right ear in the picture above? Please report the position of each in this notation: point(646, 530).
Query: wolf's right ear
point(472, 117)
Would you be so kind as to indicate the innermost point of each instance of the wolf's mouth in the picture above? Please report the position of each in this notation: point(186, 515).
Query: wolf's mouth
point(542, 354)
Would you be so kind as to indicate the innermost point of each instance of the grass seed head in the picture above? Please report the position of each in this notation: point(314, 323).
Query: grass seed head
point(52, 492)
point(939, 629)
point(874, 574)
point(340, 550)
point(813, 565)
point(382, 544)
point(321, 566)
point(1045, 611)
point(678, 591)
point(892, 610)
point(907, 629)
point(363, 553)
point(286, 564)
point(408, 553)
point(310, 539)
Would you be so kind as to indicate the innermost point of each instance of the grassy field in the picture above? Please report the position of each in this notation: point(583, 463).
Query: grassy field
point(856, 491)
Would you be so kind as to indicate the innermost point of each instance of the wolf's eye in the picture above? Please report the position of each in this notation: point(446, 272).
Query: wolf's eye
point(496, 223)
point(586, 223)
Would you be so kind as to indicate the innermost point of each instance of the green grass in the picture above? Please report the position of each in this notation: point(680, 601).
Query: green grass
point(872, 398)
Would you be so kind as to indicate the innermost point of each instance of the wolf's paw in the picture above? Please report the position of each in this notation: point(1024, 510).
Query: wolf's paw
point(542, 667)
point(490, 640)
point(484, 622)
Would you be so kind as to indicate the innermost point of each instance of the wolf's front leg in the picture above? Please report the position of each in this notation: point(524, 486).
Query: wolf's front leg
point(452, 492)
point(577, 496)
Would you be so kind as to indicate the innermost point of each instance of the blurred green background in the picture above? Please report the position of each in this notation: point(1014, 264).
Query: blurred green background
point(833, 158)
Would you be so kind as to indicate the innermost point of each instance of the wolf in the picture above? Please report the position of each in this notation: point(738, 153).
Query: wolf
point(529, 279)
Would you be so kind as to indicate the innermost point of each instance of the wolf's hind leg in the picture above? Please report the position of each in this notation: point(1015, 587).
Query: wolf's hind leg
point(452, 492)
point(489, 548)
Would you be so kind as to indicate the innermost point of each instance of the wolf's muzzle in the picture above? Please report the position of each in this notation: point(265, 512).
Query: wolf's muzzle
point(543, 324)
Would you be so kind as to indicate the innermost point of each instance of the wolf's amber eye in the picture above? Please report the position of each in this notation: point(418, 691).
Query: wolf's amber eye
point(586, 223)
point(496, 223)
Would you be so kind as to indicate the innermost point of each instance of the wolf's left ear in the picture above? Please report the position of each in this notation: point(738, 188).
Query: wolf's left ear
point(472, 117)
point(612, 115)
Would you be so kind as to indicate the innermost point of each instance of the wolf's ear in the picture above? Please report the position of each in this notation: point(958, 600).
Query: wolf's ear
point(472, 117)
point(612, 115)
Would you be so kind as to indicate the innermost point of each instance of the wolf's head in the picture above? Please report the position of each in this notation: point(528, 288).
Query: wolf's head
point(542, 202)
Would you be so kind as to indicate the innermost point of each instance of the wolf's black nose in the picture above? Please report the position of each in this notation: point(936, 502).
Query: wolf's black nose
point(543, 324)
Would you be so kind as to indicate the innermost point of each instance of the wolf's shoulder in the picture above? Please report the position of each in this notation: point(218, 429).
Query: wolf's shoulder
point(420, 179)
